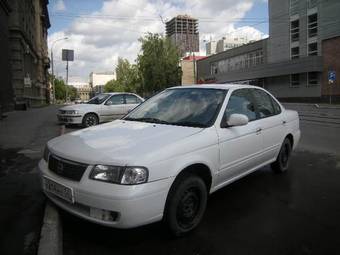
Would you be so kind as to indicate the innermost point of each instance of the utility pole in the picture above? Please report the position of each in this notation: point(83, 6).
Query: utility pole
point(67, 55)
point(66, 80)
point(52, 67)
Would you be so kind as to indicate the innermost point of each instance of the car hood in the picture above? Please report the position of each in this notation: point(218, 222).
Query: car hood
point(120, 142)
point(80, 107)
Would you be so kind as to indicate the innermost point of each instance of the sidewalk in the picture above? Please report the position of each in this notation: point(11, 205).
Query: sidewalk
point(28, 130)
point(23, 135)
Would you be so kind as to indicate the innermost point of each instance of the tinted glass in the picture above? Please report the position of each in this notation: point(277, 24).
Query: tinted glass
point(131, 99)
point(114, 100)
point(264, 103)
point(98, 99)
point(241, 102)
point(194, 107)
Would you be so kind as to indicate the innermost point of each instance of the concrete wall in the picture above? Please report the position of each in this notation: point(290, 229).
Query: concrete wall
point(329, 18)
point(188, 77)
point(280, 87)
point(279, 31)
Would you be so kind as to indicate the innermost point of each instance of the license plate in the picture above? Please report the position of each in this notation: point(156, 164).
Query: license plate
point(58, 189)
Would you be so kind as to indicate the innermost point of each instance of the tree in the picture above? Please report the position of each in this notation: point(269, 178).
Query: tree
point(60, 90)
point(127, 78)
point(114, 86)
point(158, 63)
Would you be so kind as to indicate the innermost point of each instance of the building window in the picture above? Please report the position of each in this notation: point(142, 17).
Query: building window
point(313, 79)
point(313, 25)
point(313, 49)
point(295, 80)
point(294, 30)
point(295, 53)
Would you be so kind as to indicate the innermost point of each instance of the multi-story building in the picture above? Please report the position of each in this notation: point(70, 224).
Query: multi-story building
point(84, 92)
point(295, 61)
point(99, 79)
point(6, 91)
point(183, 32)
point(230, 42)
point(189, 69)
point(210, 47)
point(28, 24)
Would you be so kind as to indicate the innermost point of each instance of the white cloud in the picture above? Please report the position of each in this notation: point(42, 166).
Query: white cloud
point(113, 31)
point(59, 6)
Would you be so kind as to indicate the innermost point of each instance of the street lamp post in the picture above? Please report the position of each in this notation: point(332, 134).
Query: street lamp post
point(52, 45)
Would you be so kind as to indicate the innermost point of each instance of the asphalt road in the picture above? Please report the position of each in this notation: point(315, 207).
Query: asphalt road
point(264, 213)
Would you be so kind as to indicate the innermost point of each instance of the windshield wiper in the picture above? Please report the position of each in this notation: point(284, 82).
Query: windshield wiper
point(149, 120)
point(189, 124)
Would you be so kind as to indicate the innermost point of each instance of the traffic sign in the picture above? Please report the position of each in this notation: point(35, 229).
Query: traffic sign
point(331, 77)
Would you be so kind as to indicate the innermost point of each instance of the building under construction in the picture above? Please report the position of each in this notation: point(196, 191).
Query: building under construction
point(183, 32)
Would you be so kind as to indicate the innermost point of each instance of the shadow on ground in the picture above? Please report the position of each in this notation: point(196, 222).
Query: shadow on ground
point(264, 213)
point(21, 203)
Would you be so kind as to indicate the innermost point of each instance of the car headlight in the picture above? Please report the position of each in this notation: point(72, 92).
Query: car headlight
point(69, 112)
point(72, 112)
point(120, 175)
point(46, 153)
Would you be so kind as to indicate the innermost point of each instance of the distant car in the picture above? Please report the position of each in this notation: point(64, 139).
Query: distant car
point(165, 157)
point(78, 101)
point(101, 108)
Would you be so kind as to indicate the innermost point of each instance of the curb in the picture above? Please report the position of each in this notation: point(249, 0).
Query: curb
point(51, 232)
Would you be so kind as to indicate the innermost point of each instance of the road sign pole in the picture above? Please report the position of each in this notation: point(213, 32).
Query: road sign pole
point(66, 80)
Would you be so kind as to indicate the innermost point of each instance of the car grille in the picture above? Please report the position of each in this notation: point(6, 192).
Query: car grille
point(65, 168)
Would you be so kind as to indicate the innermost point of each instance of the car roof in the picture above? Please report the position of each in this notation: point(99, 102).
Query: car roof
point(217, 86)
point(116, 93)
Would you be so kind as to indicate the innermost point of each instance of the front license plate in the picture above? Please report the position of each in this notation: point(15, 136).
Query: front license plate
point(58, 189)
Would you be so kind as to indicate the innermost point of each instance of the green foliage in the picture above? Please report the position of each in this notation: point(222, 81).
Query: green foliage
point(60, 90)
point(127, 78)
point(158, 63)
point(113, 86)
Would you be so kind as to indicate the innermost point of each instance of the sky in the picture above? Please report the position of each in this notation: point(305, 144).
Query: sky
point(100, 31)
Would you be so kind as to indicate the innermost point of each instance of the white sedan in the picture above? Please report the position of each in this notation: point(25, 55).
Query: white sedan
point(101, 108)
point(165, 157)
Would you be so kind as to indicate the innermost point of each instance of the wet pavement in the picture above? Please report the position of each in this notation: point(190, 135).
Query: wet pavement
point(21, 203)
point(264, 213)
point(297, 212)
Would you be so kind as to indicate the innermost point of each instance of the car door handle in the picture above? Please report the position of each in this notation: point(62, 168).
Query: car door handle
point(258, 130)
point(284, 122)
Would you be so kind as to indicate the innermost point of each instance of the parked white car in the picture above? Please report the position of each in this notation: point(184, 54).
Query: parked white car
point(163, 159)
point(101, 108)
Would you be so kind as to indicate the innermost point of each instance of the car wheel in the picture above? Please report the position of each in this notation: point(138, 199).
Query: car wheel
point(185, 204)
point(282, 162)
point(90, 119)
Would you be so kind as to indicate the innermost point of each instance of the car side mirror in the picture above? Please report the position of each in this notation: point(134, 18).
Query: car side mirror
point(236, 120)
point(108, 103)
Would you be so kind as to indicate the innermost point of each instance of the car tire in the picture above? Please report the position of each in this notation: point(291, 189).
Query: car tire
point(90, 119)
point(282, 162)
point(186, 204)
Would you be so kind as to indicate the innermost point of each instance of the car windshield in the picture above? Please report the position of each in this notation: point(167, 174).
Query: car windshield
point(194, 107)
point(98, 99)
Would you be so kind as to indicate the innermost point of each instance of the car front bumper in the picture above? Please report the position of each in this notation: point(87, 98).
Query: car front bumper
point(129, 206)
point(69, 119)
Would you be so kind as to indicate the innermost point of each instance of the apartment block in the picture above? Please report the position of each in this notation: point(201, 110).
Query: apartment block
point(296, 59)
